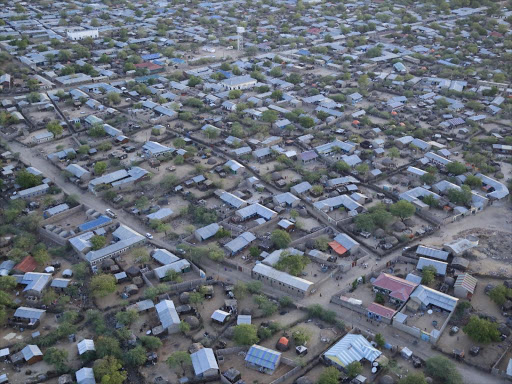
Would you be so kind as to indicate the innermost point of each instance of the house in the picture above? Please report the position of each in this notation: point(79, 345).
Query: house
point(28, 193)
point(262, 359)
point(86, 345)
point(239, 243)
point(82, 34)
point(162, 214)
point(32, 354)
point(398, 289)
point(79, 172)
point(432, 253)
point(28, 264)
point(234, 166)
point(180, 266)
point(31, 317)
point(424, 298)
point(85, 376)
point(348, 244)
point(256, 209)
point(42, 137)
point(35, 283)
point(281, 280)
point(207, 232)
point(239, 82)
point(354, 98)
point(465, 286)
point(243, 319)
point(55, 210)
point(204, 363)
point(307, 156)
point(349, 349)
point(168, 316)
point(378, 312)
point(286, 199)
point(153, 149)
point(220, 317)
point(119, 179)
point(440, 266)
point(301, 188)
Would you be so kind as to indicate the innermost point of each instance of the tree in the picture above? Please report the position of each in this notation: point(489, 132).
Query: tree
point(267, 307)
point(98, 242)
point(100, 167)
point(460, 196)
point(184, 327)
point(301, 336)
point(245, 334)
point(41, 256)
point(108, 371)
point(341, 166)
point(285, 301)
point(196, 298)
point(431, 201)
point(135, 357)
point(127, 317)
point(174, 276)
point(103, 285)
point(254, 287)
point(482, 330)
point(413, 378)
point(269, 116)
point(151, 342)
point(113, 98)
point(500, 294)
point(194, 80)
point(473, 181)
point(235, 94)
point(428, 274)
point(456, 168)
point(26, 179)
point(330, 375)
point(292, 263)
point(428, 178)
point(379, 339)
point(281, 239)
point(442, 370)
point(57, 358)
point(277, 95)
point(306, 122)
point(54, 127)
point(180, 359)
point(402, 209)
point(353, 369)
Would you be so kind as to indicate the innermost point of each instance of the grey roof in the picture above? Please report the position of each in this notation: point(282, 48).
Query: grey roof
point(29, 313)
point(274, 257)
point(77, 170)
point(203, 360)
point(164, 257)
point(432, 252)
point(85, 345)
point(35, 281)
point(208, 231)
point(85, 376)
point(440, 266)
point(337, 201)
point(161, 214)
point(126, 238)
point(283, 277)
point(256, 209)
point(428, 296)
point(346, 241)
point(57, 209)
point(232, 200)
point(177, 266)
point(240, 242)
point(301, 187)
point(167, 313)
point(219, 315)
point(352, 348)
point(286, 198)
point(60, 283)
point(30, 351)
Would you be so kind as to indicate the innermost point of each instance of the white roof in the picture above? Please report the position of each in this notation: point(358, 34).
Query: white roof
point(203, 360)
point(283, 277)
point(352, 348)
point(243, 319)
point(440, 266)
point(219, 315)
point(85, 346)
point(85, 376)
point(428, 296)
point(208, 231)
point(164, 257)
point(167, 313)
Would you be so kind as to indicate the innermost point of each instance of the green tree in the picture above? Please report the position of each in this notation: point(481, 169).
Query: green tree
point(442, 370)
point(55, 127)
point(330, 375)
point(113, 98)
point(500, 294)
point(379, 339)
point(245, 334)
point(428, 274)
point(103, 285)
point(151, 342)
point(414, 378)
point(180, 359)
point(135, 357)
point(402, 209)
point(482, 330)
point(473, 181)
point(353, 369)
point(57, 358)
point(254, 287)
point(277, 95)
point(269, 116)
point(456, 168)
point(100, 167)
point(194, 80)
point(281, 239)
point(98, 242)
point(301, 336)
point(184, 327)
point(127, 317)
point(234, 94)
point(26, 179)
point(431, 201)
point(108, 371)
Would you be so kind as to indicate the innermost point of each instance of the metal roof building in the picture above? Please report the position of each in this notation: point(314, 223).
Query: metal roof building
point(164, 257)
point(168, 316)
point(179, 266)
point(204, 362)
point(161, 214)
point(427, 296)
point(351, 348)
point(96, 223)
point(440, 266)
point(256, 209)
point(239, 243)
point(432, 252)
point(85, 345)
point(205, 233)
point(281, 280)
point(85, 376)
point(232, 200)
point(259, 357)
point(29, 313)
point(220, 316)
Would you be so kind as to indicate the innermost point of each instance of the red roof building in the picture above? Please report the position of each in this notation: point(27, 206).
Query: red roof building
point(151, 67)
point(377, 312)
point(338, 248)
point(395, 287)
point(28, 264)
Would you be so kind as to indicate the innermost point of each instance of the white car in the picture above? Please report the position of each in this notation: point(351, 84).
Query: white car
point(149, 236)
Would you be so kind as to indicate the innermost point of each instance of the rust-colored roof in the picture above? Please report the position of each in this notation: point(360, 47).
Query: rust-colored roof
point(338, 248)
point(381, 310)
point(28, 264)
point(283, 340)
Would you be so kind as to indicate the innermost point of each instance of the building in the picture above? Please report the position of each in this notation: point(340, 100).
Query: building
point(31, 317)
point(79, 172)
point(124, 237)
point(28, 193)
point(85, 376)
point(220, 317)
point(168, 316)
point(162, 214)
point(379, 312)
point(286, 199)
point(424, 298)
point(55, 210)
point(398, 289)
point(465, 286)
point(119, 179)
point(240, 243)
point(281, 280)
point(86, 345)
point(32, 354)
point(301, 188)
point(83, 34)
point(349, 349)
point(204, 363)
point(255, 209)
point(179, 266)
point(164, 257)
point(239, 82)
point(262, 359)
point(440, 266)
point(43, 137)
point(153, 149)
point(207, 232)
point(344, 244)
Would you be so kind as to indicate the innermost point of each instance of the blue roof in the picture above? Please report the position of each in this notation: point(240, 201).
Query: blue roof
point(178, 60)
point(151, 56)
point(102, 220)
point(263, 357)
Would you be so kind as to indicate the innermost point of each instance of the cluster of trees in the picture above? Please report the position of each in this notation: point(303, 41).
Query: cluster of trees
point(294, 264)
point(377, 217)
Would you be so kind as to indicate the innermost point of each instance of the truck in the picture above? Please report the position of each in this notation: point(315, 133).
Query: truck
point(110, 213)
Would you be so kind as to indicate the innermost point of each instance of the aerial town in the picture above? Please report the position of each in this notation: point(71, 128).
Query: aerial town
point(255, 191)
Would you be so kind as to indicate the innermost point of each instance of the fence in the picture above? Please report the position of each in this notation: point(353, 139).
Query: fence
point(413, 331)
